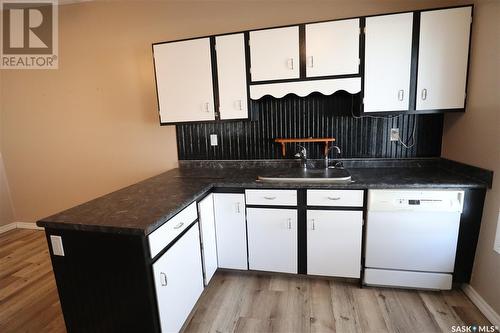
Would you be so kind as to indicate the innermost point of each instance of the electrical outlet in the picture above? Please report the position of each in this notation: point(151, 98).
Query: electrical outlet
point(57, 245)
point(213, 140)
point(394, 134)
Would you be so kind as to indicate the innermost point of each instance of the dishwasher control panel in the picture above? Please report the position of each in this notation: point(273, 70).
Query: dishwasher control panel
point(415, 200)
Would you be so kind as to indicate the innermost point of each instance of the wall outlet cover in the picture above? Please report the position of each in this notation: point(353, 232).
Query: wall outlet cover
point(57, 245)
point(213, 140)
point(394, 134)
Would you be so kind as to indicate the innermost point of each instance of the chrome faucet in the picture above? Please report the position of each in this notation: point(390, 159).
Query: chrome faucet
point(302, 154)
point(327, 159)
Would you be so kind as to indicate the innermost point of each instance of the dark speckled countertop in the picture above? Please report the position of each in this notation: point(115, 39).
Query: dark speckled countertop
point(143, 207)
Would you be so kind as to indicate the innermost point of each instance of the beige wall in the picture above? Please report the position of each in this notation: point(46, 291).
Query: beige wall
point(6, 211)
point(91, 127)
point(474, 138)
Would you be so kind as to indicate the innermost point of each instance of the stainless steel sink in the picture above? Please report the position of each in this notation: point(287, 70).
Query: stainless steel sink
point(338, 176)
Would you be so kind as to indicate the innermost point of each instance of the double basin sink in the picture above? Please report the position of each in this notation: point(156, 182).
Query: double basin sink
point(299, 175)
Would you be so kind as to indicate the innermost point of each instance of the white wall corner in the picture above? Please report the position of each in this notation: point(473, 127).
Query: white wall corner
point(481, 304)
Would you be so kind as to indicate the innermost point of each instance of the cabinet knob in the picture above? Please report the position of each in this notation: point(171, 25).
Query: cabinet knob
point(269, 198)
point(163, 279)
point(179, 225)
point(289, 223)
point(240, 105)
point(207, 107)
point(290, 63)
point(424, 94)
point(238, 208)
point(333, 198)
point(313, 227)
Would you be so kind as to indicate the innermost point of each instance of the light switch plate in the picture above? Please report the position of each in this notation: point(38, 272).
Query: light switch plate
point(57, 245)
point(213, 140)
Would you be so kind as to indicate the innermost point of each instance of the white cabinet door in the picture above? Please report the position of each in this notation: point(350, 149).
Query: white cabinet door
point(272, 239)
point(442, 58)
point(334, 243)
point(184, 80)
point(332, 48)
point(178, 280)
point(388, 44)
point(274, 54)
point(232, 76)
point(230, 227)
point(208, 238)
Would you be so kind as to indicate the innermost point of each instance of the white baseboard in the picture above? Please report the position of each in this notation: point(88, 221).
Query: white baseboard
point(19, 225)
point(481, 304)
point(8, 227)
point(28, 225)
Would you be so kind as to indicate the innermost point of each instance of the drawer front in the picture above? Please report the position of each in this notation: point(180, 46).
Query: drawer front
point(162, 236)
point(335, 198)
point(271, 197)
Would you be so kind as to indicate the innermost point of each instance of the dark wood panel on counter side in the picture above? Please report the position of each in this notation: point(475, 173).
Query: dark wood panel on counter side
point(470, 224)
point(104, 282)
point(313, 116)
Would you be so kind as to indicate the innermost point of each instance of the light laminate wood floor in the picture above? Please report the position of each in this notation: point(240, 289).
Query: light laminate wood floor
point(238, 302)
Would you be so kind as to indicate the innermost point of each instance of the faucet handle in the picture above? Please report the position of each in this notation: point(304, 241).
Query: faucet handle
point(302, 153)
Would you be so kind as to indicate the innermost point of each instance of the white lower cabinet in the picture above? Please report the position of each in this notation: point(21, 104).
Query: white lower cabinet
point(208, 238)
point(230, 226)
point(334, 243)
point(178, 280)
point(272, 239)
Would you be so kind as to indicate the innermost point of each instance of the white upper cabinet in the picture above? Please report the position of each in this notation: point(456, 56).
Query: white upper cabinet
point(442, 58)
point(184, 80)
point(332, 48)
point(274, 54)
point(388, 46)
point(232, 76)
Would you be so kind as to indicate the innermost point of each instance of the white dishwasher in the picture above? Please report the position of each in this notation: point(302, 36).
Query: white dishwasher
point(411, 237)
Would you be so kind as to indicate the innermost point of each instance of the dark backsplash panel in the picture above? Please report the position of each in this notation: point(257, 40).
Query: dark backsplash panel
point(312, 116)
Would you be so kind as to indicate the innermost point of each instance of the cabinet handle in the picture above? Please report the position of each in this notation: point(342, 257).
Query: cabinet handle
point(207, 107)
point(401, 94)
point(163, 279)
point(269, 198)
point(313, 225)
point(289, 223)
point(179, 225)
point(333, 198)
point(290, 63)
point(424, 94)
point(240, 105)
point(238, 210)
point(310, 61)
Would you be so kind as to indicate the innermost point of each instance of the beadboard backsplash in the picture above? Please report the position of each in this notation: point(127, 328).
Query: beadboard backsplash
point(312, 116)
